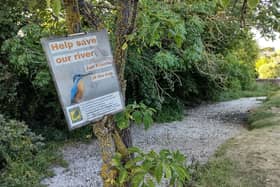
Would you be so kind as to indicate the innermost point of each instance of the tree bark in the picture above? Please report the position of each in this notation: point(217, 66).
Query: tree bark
point(110, 139)
point(72, 16)
point(120, 55)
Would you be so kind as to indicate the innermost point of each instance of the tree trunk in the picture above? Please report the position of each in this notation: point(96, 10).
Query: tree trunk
point(109, 138)
point(72, 16)
point(121, 54)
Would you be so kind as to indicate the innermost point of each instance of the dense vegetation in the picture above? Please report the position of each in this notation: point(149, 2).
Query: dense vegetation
point(180, 53)
point(266, 115)
point(24, 157)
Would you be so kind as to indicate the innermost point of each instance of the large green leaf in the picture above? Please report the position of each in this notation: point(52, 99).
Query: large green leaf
point(123, 176)
point(138, 179)
point(150, 183)
point(137, 116)
point(167, 170)
point(147, 119)
point(159, 172)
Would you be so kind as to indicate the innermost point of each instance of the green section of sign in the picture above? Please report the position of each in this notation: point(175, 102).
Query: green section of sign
point(75, 114)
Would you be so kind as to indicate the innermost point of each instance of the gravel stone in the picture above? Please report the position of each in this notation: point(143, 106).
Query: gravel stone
point(197, 136)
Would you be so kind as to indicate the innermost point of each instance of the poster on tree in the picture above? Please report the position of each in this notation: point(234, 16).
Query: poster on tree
point(85, 76)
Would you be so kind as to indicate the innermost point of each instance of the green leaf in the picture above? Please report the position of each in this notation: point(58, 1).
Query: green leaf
point(134, 150)
point(150, 183)
point(159, 172)
point(124, 46)
point(116, 162)
point(137, 180)
point(56, 6)
point(147, 165)
point(123, 124)
point(253, 3)
point(137, 116)
point(118, 156)
point(129, 164)
point(164, 153)
point(147, 119)
point(224, 3)
point(167, 170)
point(123, 176)
point(179, 184)
point(182, 173)
point(179, 157)
point(122, 120)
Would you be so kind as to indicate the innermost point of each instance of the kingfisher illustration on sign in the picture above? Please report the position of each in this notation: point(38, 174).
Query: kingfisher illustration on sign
point(85, 76)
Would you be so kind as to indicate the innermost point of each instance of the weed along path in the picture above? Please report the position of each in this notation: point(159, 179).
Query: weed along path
point(197, 136)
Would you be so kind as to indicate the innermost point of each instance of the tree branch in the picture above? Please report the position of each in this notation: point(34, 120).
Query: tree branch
point(91, 18)
point(132, 23)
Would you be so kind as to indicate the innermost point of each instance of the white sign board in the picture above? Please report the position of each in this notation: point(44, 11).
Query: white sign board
point(85, 76)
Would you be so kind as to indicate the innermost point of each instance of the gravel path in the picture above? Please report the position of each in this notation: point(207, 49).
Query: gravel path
point(197, 136)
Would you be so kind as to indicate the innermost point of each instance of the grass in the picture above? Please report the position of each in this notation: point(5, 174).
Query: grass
point(223, 171)
point(256, 90)
point(266, 115)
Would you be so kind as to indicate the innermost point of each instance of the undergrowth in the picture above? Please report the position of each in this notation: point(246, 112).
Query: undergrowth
point(266, 115)
point(223, 171)
point(256, 90)
point(24, 156)
point(171, 111)
point(226, 173)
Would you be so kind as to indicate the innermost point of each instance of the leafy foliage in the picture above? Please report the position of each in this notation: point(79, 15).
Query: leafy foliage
point(11, 12)
point(149, 169)
point(17, 141)
point(266, 18)
point(24, 156)
point(170, 111)
point(18, 144)
point(26, 81)
point(208, 59)
point(268, 66)
point(138, 113)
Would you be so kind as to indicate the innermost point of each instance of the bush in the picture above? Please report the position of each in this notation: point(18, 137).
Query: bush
point(18, 147)
point(17, 141)
point(28, 91)
point(24, 157)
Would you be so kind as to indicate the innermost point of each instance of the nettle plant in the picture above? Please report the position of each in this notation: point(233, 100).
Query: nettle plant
point(147, 169)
